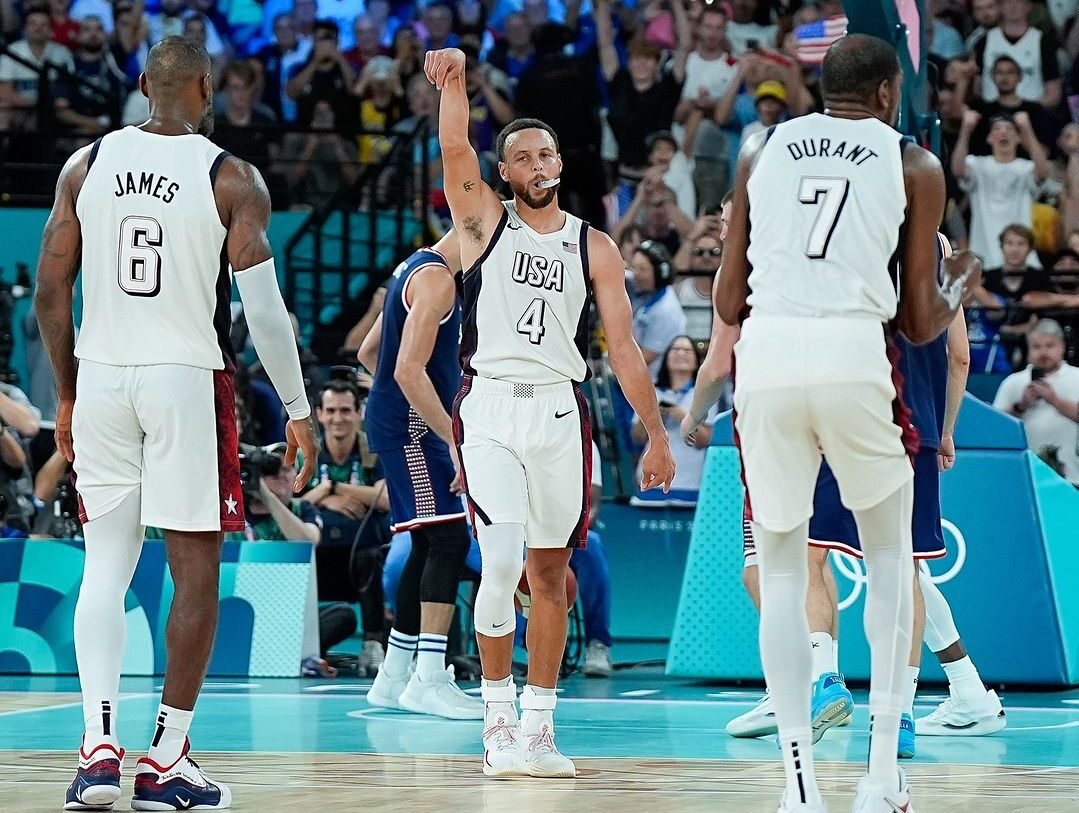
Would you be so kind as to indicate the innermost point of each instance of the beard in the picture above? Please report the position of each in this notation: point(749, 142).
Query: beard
point(523, 192)
point(92, 47)
point(206, 125)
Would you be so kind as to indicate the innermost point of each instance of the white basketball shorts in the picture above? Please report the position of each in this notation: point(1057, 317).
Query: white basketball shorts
point(167, 429)
point(804, 385)
point(526, 452)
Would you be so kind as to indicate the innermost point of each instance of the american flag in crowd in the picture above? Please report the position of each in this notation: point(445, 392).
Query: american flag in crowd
point(570, 247)
point(814, 39)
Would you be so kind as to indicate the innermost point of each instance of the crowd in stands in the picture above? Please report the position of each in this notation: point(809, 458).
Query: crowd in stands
point(651, 100)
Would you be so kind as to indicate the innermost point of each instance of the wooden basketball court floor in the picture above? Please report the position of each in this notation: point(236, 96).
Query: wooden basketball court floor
point(642, 742)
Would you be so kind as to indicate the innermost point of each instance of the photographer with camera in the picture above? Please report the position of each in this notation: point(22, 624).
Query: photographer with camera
point(273, 513)
point(350, 495)
point(57, 501)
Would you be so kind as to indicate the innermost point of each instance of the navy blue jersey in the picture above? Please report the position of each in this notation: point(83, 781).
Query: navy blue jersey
point(387, 416)
point(925, 388)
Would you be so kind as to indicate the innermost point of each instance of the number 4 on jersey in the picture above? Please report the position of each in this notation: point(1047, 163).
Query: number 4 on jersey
point(829, 194)
point(531, 321)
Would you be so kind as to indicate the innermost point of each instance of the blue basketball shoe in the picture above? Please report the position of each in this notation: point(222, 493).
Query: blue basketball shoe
point(97, 783)
point(180, 786)
point(832, 703)
point(906, 737)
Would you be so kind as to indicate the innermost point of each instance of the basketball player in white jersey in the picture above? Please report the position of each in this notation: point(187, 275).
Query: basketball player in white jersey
point(825, 207)
point(521, 422)
point(156, 214)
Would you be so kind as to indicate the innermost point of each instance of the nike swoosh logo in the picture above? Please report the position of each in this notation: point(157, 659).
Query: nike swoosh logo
point(499, 626)
point(184, 803)
point(562, 414)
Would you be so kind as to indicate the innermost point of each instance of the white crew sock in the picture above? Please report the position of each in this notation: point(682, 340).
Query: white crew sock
point(910, 689)
point(823, 651)
point(399, 653)
point(964, 682)
point(170, 734)
point(835, 656)
point(431, 655)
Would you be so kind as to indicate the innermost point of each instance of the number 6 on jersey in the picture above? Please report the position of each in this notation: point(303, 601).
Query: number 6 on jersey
point(139, 271)
point(829, 194)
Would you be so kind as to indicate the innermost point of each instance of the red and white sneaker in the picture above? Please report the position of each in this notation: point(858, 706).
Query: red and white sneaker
point(97, 782)
point(180, 786)
point(503, 754)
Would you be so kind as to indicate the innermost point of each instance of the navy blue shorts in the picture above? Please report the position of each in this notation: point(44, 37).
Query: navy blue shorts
point(833, 526)
point(418, 478)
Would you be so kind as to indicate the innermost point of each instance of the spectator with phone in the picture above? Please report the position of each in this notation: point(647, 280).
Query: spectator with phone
point(326, 76)
point(675, 382)
point(745, 29)
point(1045, 397)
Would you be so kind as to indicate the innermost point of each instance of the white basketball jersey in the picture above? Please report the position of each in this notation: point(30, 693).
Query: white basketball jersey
point(1027, 53)
point(155, 285)
point(826, 205)
point(526, 303)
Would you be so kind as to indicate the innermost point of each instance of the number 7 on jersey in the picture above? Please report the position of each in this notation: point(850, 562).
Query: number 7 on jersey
point(829, 194)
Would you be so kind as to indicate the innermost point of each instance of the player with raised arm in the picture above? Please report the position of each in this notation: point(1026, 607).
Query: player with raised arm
point(815, 371)
point(156, 215)
point(521, 422)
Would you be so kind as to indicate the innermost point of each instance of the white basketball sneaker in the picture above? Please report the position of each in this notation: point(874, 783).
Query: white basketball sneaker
point(503, 752)
point(386, 691)
point(441, 697)
point(760, 721)
point(541, 753)
point(965, 718)
point(537, 731)
point(876, 797)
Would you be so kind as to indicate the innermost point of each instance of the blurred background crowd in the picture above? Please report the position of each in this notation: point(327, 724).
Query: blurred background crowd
point(651, 100)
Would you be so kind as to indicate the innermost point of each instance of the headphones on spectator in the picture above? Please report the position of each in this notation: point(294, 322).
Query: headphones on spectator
point(660, 258)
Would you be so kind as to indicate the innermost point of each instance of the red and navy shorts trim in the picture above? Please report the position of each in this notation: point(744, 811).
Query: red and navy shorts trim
point(231, 496)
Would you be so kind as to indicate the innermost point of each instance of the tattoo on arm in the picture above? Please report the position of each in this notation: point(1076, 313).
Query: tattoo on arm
point(468, 186)
point(248, 243)
point(52, 242)
point(473, 227)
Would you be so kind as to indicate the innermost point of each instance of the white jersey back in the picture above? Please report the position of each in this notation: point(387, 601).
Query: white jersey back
point(526, 303)
point(155, 286)
point(826, 205)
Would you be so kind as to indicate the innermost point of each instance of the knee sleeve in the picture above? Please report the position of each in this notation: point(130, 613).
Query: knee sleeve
point(447, 547)
point(940, 630)
point(502, 547)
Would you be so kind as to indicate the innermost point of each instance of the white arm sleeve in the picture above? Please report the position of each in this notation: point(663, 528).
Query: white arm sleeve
point(271, 333)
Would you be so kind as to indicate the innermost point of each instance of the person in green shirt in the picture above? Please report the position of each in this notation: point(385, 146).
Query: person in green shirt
point(350, 495)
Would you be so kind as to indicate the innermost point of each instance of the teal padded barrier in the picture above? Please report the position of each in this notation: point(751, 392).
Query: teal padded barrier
point(1010, 524)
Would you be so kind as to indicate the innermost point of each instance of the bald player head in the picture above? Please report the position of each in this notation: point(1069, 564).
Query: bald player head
point(178, 83)
point(862, 72)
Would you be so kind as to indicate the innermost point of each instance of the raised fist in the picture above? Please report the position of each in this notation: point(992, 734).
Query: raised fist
point(443, 65)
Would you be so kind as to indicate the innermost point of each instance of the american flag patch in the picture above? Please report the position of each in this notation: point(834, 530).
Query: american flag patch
point(814, 39)
point(570, 247)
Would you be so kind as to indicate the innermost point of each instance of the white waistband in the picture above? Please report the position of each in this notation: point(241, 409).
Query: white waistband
point(515, 389)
